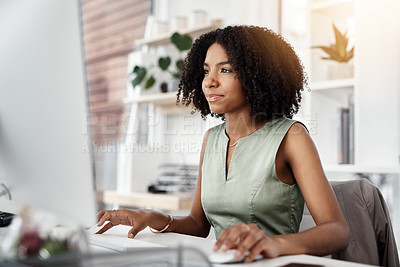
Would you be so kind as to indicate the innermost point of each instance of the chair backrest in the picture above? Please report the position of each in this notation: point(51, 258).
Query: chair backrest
point(371, 238)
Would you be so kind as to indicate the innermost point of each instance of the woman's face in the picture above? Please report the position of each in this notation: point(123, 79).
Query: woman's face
point(221, 86)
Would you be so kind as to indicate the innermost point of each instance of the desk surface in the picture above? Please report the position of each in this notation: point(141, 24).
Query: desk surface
point(206, 244)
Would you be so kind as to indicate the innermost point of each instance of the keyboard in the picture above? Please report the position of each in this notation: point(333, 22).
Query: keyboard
point(120, 243)
point(5, 218)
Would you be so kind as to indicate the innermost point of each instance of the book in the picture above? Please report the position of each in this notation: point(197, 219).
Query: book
point(173, 178)
point(351, 129)
point(344, 137)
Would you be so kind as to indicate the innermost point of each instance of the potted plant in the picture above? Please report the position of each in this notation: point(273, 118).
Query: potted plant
point(340, 53)
point(141, 74)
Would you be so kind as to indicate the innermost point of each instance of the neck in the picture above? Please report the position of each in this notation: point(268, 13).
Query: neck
point(240, 126)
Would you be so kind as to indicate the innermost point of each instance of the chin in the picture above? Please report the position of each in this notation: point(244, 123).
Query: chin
point(217, 110)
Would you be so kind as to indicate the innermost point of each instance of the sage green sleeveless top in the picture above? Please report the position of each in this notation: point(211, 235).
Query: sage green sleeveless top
point(251, 191)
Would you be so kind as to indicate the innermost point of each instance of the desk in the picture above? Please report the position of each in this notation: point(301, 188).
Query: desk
point(205, 245)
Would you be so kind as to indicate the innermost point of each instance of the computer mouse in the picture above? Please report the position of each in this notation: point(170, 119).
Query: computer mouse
point(224, 257)
point(228, 257)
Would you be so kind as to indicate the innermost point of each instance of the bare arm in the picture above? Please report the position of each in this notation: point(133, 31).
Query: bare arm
point(331, 232)
point(194, 224)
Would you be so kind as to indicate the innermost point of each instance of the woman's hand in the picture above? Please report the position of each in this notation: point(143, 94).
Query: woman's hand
point(247, 237)
point(138, 219)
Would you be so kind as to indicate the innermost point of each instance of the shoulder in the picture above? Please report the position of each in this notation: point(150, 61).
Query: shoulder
point(297, 129)
point(215, 130)
point(218, 127)
point(297, 138)
point(204, 145)
point(212, 131)
point(288, 126)
point(298, 144)
point(206, 134)
point(297, 134)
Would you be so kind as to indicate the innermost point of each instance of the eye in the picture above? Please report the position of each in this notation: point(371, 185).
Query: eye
point(206, 72)
point(225, 70)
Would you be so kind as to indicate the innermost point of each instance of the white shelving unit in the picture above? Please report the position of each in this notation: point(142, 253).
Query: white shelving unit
point(374, 87)
point(159, 99)
point(162, 103)
point(374, 30)
point(333, 84)
point(308, 23)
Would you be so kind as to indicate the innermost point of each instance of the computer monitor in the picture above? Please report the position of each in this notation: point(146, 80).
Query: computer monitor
point(44, 157)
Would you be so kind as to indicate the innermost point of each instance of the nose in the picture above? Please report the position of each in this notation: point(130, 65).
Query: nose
point(210, 81)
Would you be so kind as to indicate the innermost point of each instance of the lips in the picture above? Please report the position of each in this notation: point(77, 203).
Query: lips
point(213, 97)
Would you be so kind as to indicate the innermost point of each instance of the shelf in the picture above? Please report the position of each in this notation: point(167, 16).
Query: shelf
point(165, 99)
point(148, 200)
point(350, 168)
point(332, 84)
point(321, 5)
point(164, 39)
point(164, 103)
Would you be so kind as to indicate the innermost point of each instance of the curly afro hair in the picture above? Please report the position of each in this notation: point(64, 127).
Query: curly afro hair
point(271, 74)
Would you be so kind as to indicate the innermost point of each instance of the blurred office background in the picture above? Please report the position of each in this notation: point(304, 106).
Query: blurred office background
point(143, 142)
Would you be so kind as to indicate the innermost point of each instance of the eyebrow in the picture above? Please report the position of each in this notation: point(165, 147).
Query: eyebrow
point(219, 63)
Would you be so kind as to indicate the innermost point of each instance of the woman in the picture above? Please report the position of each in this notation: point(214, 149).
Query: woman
point(259, 166)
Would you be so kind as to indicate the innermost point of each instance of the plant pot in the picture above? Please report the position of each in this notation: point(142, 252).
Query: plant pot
point(339, 70)
point(173, 84)
point(140, 90)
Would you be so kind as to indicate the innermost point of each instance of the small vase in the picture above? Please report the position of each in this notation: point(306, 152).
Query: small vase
point(340, 70)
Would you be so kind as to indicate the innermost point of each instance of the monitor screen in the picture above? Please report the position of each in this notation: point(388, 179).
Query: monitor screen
point(44, 160)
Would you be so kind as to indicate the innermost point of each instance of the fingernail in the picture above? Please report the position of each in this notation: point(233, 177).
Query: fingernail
point(130, 235)
point(237, 254)
point(224, 247)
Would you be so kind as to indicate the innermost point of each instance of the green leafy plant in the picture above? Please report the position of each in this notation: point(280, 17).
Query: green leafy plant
point(182, 42)
point(338, 51)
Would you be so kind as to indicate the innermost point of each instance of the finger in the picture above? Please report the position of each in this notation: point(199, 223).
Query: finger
point(253, 237)
point(221, 239)
point(233, 236)
point(105, 228)
point(106, 217)
point(100, 214)
point(134, 231)
point(245, 232)
point(256, 250)
point(116, 217)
